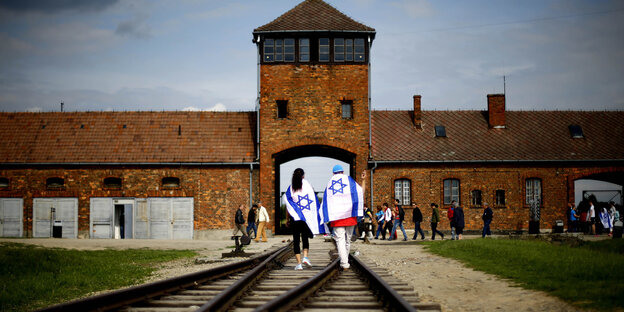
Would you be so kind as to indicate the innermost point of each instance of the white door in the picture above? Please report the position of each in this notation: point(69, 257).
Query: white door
point(182, 218)
point(11, 217)
point(160, 218)
point(101, 222)
point(66, 211)
point(141, 219)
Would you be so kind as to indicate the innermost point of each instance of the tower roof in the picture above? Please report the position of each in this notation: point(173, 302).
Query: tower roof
point(314, 15)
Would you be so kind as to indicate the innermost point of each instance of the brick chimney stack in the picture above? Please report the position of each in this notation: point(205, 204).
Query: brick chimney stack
point(496, 110)
point(417, 112)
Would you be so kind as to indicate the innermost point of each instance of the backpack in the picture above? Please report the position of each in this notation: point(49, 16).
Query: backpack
point(450, 213)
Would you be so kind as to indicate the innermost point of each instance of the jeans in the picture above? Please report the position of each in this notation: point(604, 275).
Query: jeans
point(252, 226)
point(417, 230)
point(398, 223)
point(453, 232)
point(434, 230)
point(380, 228)
point(486, 228)
point(342, 235)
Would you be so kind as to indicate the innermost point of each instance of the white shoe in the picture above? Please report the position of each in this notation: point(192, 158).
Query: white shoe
point(307, 262)
point(298, 267)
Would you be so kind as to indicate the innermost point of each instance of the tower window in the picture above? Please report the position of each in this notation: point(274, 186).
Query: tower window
point(282, 108)
point(269, 50)
point(279, 50)
point(289, 50)
point(324, 49)
point(347, 109)
point(359, 50)
point(343, 50)
point(304, 50)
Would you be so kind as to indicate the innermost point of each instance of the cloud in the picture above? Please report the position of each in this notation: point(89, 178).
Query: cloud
point(53, 6)
point(219, 107)
point(415, 8)
point(135, 28)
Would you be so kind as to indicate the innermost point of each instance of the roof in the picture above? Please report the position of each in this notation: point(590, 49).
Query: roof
point(127, 137)
point(313, 15)
point(528, 136)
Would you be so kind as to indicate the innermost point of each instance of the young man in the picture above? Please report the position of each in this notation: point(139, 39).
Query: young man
point(435, 218)
point(343, 202)
point(251, 221)
point(263, 219)
point(398, 220)
point(239, 221)
point(381, 217)
point(417, 218)
point(449, 215)
point(487, 216)
point(387, 220)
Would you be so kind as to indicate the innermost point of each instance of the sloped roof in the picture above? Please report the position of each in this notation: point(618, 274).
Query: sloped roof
point(314, 15)
point(127, 137)
point(528, 136)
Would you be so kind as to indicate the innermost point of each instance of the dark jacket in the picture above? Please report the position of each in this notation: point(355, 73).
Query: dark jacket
point(417, 215)
point(239, 219)
point(401, 214)
point(458, 217)
point(487, 214)
point(251, 216)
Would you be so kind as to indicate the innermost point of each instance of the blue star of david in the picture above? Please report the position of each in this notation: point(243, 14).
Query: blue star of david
point(341, 186)
point(308, 202)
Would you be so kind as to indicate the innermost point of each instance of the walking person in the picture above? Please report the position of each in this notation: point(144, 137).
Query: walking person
point(572, 218)
point(398, 220)
point(251, 221)
point(368, 223)
point(449, 215)
point(302, 207)
point(381, 217)
point(239, 221)
point(435, 218)
point(387, 220)
point(343, 202)
point(487, 217)
point(417, 218)
point(263, 219)
point(458, 221)
point(591, 215)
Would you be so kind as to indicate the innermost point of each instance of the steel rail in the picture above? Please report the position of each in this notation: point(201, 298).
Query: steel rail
point(228, 297)
point(392, 300)
point(123, 297)
point(296, 295)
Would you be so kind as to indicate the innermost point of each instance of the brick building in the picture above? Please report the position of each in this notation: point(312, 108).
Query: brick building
point(183, 174)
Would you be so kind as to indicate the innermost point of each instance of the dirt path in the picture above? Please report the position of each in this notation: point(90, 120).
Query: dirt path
point(450, 283)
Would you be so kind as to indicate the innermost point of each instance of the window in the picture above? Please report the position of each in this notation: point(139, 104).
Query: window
point(359, 50)
point(343, 50)
point(112, 182)
point(171, 182)
point(279, 50)
point(55, 182)
point(324, 49)
point(475, 199)
point(4, 183)
point(269, 50)
point(533, 191)
point(576, 132)
point(402, 191)
point(440, 131)
point(289, 50)
point(282, 108)
point(304, 50)
point(500, 198)
point(451, 191)
point(347, 109)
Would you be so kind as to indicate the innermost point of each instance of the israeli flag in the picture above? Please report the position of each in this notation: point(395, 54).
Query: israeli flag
point(343, 198)
point(303, 206)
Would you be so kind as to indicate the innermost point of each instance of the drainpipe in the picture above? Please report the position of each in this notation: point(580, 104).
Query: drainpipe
point(370, 135)
point(372, 186)
point(250, 185)
point(258, 99)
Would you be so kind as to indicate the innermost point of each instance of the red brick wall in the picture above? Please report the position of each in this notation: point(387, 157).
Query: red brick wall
point(427, 187)
point(314, 93)
point(217, 191)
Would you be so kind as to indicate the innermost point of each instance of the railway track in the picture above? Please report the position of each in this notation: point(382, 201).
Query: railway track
point(267, 283)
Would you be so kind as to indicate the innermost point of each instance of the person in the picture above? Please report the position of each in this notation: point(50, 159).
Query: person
point(381, 216)
point(263, 219)
point(583, 219)
point(458, 221)
point(592, 218)
point(417, 218)
point(612, 214)
point(449, 215)
point(387, 220)
point(302, 207)
point(343, 202)
point(251, 221)
point(368, 223)
point(435, 218)
point(487, 217)
point(572, 218)
point(239, 221)
point(398, 220)
point(605, 220)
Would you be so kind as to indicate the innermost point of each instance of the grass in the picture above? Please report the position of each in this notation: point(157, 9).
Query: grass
point(33, 277)
point(588, 276)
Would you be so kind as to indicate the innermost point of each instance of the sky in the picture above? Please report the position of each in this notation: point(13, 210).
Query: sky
point(126, 55)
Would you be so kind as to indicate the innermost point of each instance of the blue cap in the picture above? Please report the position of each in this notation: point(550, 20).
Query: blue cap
point(337, 168)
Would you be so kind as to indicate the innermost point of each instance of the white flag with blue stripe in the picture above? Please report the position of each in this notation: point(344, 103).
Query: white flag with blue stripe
point(343, 198)
point(303, 205)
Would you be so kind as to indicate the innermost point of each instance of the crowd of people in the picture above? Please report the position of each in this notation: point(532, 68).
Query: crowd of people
point(594, 218)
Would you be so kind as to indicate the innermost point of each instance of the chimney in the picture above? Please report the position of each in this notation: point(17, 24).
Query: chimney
point(417, 112)
point(496, 111)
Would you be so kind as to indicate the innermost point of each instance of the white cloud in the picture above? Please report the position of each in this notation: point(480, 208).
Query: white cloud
point(219, 107)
